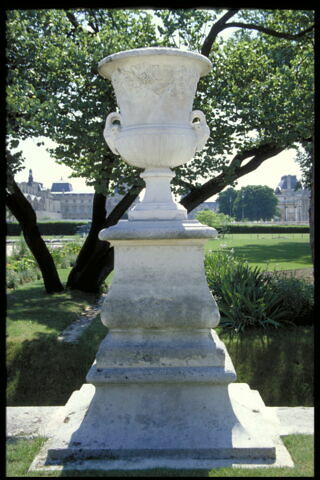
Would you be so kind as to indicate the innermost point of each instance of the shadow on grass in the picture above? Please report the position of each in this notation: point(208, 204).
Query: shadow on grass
point(278, 364)
point(45, 371)
point(280, 252)
point(55, 311)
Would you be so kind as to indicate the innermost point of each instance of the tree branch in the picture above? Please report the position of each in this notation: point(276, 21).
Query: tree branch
point(269, 31)
point(222, 24)
point(215, 30)
point(123, 205)
point(234, 171)
point(94, 22)
point(72, 18)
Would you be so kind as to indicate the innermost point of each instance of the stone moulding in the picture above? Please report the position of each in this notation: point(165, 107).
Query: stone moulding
point(160, 391)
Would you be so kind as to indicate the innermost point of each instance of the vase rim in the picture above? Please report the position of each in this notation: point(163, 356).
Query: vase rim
point(107, 65)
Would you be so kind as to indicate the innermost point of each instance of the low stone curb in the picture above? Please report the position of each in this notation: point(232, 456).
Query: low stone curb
point(32, 422)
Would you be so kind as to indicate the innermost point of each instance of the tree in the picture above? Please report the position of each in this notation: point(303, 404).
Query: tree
point(258, 99)
point(226, 200)
point(255, 202)
point(220, 221)
point(24, 213)
point(54, 90)
point(18, 205)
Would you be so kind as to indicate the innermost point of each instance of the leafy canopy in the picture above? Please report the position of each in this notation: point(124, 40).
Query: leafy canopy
point(260, 90)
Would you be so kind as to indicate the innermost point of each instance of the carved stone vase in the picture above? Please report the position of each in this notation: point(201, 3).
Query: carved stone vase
point(156, 128)
point(160, 391)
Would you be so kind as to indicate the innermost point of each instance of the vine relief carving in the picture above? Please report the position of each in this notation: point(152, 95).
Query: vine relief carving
point(160, 80)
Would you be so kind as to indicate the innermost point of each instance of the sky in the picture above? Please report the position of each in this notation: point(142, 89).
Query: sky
point(46, 170)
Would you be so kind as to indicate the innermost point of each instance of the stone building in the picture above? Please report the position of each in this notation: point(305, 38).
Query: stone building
point(44, 203)
point(58, 203)
point(293, 202)
point(61, 202)
point(73, 205)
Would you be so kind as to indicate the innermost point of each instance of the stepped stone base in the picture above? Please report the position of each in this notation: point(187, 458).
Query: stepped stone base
point(170, 426)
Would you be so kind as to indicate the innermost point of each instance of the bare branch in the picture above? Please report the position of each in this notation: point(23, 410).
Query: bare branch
point(269, 31)
point(222, 24)
point(123, 205)
point(215, 30)
point(72, 18)
point(234, 171)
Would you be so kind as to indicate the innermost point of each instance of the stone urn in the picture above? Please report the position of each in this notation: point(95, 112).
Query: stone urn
point(156, 128)
point(160, 392)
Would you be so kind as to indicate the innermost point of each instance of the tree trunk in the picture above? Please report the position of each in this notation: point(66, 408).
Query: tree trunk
point(24, 213)
point(311, 212)
point(96, 258)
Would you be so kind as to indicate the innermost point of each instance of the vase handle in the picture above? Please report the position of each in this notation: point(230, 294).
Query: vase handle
point(111, 130)
point(201, 128)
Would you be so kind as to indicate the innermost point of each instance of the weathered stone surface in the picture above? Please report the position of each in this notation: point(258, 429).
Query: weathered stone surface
point(161, 348)
point(156, 128)
point(159, 280)
point(177, 426)
point(161, 390)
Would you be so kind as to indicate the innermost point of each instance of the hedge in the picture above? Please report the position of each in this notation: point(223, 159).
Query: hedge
point(48, 228)
point(238, 228)
point(69, 228)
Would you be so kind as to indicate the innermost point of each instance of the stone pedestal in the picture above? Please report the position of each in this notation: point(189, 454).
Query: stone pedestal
point(161, 392)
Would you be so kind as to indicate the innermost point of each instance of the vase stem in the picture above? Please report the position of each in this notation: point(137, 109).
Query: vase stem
point(158, 202)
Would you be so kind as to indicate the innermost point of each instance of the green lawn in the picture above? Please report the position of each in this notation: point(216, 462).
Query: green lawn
point(40, 369)
point(43, 371)
point(20, 454)
point(268, 250)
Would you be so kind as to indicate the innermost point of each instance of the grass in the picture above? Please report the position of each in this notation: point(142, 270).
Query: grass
point(16, 238)
point(40, 369)
point(21, 452)
point(43, 371)
point(278, 363)
point(269, 251)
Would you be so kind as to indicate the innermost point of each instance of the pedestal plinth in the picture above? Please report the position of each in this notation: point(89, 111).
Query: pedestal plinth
point(161, 392)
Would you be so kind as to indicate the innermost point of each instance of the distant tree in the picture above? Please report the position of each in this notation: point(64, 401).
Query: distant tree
point(226, 200)
point(255, 202)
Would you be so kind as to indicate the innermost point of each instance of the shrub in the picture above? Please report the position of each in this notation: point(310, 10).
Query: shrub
point(243, 294)
point(65, 256)
point(12, 279)
point(297, 298)
point(243, 228)
point(48, 228)
point(20, 248)
point(23, 268)
point(219, 221)
point(248, 297)
point(18, 275)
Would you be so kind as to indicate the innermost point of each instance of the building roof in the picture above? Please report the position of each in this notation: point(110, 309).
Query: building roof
point(61, 186)
point(287, 182)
